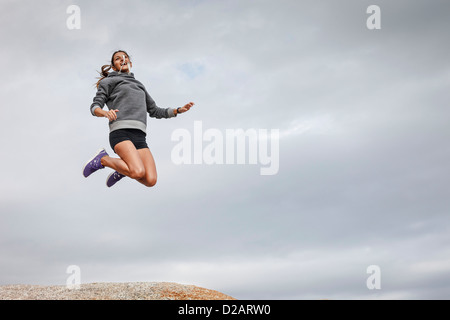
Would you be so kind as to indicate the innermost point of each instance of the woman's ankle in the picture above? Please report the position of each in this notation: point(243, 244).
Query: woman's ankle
point(104, 160)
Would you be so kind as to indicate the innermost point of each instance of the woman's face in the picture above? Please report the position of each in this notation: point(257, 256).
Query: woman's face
point(121, 60)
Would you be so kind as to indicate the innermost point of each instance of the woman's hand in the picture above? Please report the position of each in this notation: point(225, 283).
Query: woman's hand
point(185, 108)
point(111, 114)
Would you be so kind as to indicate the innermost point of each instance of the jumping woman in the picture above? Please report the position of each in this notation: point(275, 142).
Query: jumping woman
point(128, 102)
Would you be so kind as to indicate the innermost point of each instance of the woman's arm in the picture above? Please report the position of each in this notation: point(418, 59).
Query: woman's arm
point(100, 98)
point(111, 114)
point(156, 112)
point(183, 109)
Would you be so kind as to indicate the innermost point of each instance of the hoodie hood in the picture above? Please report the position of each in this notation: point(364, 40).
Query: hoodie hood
point(122, 74)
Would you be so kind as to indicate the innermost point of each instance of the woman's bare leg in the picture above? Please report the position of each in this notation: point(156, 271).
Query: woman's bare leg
point(129, 164)
point(136, 164)
point(150, 176)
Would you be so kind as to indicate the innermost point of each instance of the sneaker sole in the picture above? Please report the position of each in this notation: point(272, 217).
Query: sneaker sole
point(107, 179)
point(96, 154)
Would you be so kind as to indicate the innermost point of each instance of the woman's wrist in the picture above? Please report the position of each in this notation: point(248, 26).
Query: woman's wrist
point(99, 112)
point(105, 114)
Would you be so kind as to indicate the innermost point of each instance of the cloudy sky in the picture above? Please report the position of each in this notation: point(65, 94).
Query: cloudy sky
point(363, 155)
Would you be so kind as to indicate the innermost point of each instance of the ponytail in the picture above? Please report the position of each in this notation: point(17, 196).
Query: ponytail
point(103, 74)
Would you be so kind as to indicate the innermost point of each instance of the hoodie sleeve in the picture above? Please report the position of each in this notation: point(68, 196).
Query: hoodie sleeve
point(101, 96)
point(156, 112)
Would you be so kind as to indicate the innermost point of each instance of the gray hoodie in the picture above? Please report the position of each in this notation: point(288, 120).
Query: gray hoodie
point(123, 92)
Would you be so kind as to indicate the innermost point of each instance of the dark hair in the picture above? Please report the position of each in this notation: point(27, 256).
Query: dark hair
point(105, 68)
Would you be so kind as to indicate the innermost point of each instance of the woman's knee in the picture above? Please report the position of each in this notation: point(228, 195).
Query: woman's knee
point(150, 181)
point(137, 173)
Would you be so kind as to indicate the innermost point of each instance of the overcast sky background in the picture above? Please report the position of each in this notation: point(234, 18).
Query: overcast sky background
point(364, 151)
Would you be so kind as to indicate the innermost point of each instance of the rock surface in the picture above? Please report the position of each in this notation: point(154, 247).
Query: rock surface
point(112, 291)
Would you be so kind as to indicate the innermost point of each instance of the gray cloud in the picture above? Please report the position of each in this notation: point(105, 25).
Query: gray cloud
point(363, 153)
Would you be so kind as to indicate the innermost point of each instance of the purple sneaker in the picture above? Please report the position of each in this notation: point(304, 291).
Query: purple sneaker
point(94, 164)
point(113, 178)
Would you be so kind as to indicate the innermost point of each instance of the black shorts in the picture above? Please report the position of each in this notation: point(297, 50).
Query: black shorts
point(134, 135)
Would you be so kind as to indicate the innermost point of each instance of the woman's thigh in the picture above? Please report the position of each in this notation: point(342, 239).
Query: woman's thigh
point(128, 153)
point(149, 165)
